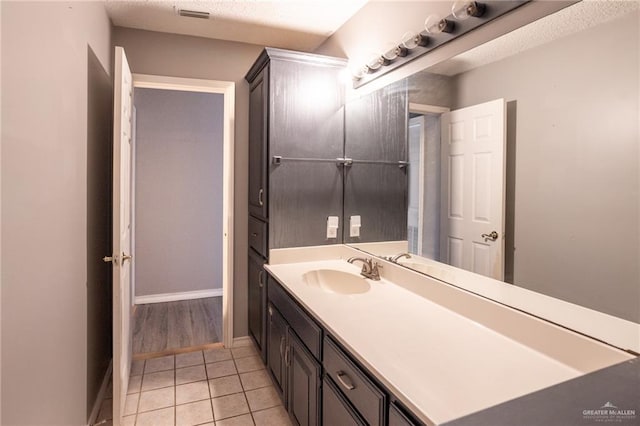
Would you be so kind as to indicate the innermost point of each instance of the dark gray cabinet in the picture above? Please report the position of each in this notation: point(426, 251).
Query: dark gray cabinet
point(398, 418)
point(303, 383)
point(376, 184)
point(258, 125)
point(277, 330)
point(294, 367)
point(335, 408)
point(296, 114)
point(257, 300)
point(364, 395)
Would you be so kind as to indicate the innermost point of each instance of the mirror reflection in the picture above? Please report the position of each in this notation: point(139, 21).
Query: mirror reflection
point(523, 161)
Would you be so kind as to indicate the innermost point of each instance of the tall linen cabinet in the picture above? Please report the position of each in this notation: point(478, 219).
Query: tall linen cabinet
point(296, 133)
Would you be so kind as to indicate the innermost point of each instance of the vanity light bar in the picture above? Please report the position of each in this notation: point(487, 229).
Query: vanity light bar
point(465, 16)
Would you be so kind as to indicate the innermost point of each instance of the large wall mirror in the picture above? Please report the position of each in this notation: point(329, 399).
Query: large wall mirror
point(523, 157)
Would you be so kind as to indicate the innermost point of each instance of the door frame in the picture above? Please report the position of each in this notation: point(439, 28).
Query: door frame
point(423, 109)
point(227, 89)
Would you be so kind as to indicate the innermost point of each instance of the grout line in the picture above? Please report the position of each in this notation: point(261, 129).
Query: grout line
point(206, 374)
point(243, 391)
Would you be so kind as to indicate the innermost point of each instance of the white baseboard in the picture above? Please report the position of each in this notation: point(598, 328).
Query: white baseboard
point(101, 395)
point(172, 297)
point(242, 341)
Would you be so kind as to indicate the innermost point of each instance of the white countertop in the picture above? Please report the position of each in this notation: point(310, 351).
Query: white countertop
point(436, 359)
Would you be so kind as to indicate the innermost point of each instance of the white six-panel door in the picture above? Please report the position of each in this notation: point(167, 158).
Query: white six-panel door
point(473, 188)
point(123, 102)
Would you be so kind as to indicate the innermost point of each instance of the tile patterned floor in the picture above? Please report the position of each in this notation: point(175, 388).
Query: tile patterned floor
point(217, 387)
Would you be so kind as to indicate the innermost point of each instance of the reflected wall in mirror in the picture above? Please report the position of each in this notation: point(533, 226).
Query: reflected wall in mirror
point(559, 182)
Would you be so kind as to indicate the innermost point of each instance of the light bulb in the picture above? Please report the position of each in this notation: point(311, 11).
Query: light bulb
point(435, 25)
point(463, 9)
point(411, 41)
point(391, 52)
point(374, 62)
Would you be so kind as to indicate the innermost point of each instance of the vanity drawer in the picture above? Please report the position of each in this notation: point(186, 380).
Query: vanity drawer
point(335, 409)
point(258, 235)
point(363, 394)
point(299, 321)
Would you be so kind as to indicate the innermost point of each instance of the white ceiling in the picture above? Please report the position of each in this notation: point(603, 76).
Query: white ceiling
point(291, 24)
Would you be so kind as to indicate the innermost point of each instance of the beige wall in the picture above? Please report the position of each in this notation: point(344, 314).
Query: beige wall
point(44, 207)
point(193, 57)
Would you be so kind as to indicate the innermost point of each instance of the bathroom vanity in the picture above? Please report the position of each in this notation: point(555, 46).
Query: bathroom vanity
point(407, 349)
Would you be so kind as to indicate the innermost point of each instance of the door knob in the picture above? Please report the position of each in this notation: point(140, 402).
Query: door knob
point(126, 257)
point(492, 236)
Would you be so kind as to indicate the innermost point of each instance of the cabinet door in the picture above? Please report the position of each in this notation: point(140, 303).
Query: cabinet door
point(277, 341)
point(398, 418)
point(335, 410)
point(258, 161)
point(257, 300)
point(303, 382)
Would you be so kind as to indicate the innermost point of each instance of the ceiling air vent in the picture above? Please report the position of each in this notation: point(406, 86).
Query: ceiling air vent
point(193, 14)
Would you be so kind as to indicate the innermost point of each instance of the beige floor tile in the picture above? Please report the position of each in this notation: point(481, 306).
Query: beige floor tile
point(189, 359)
point(221, 369)
point(155, 399)
point(251, 363)
point(260, 399)
point(194, 413)
point(106, 410)
point(276, 416)
point(129, 420)
point(225, 386)
point(164, 417)
point(244, 420)
point(137, 367)
point(191, 392)
point(134, 384)
point(244, 351)
point(216, 355)
point(159, 364)
point(229, 406)
point(157, 380)
point(190, 374)
point(131, 404)
point(255, 379)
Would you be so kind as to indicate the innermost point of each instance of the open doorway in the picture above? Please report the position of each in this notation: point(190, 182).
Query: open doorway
point(182, 198)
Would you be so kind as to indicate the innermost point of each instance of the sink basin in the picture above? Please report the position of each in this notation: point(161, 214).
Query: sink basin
point(334, 281)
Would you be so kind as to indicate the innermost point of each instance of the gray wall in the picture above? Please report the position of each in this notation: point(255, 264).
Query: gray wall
point(192, 57)
point(178, 190)
point(576, 164)
point(45, 199)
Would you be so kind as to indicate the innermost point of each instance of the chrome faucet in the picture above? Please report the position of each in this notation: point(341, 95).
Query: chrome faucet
point(398, 256)
point(369, 267)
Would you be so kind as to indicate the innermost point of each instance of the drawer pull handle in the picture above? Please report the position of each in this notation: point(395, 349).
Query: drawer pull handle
point(261, 279)
point(254, 234)
point(345, 380)
point(260, 197)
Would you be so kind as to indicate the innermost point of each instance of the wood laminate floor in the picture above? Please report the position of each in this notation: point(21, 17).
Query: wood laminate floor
point(160, 327)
